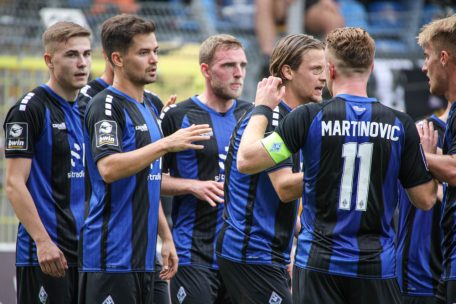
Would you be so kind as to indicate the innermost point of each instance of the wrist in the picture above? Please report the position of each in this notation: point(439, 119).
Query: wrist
point(262, 110)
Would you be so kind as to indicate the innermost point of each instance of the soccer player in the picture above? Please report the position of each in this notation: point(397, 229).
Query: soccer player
point(261, 209)
point(161, 293)
point(354, 151)
point(419, 254)
point(45, 170)
point(118, 238)
point(197, 176)
point(438, 40)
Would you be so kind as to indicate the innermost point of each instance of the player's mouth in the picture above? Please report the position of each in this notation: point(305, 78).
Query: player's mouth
point(319, 89)
point(80, 75)
point(236, 85)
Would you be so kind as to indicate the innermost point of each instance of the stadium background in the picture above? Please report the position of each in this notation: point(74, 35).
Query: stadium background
point(181, 25)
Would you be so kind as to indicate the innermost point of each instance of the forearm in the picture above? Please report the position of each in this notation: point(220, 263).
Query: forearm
point(287, 185)
point(176, 185)
point(163, 228)
point(442, 167)
point(265, 26)
point(120, 165)
point(26, 211)
point(252, 156)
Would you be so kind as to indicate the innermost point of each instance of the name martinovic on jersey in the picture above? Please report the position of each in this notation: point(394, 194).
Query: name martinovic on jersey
point(359, 128)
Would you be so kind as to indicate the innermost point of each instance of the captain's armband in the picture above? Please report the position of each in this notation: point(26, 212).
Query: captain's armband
point(276, 148)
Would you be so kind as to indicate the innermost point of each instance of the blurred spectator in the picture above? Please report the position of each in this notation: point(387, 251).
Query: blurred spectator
point(320, 17)
point(122, 6)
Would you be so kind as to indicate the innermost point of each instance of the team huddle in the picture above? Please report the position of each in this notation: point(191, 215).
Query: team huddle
point(87, 163)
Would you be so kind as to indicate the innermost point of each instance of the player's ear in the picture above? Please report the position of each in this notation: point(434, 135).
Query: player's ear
point(287, 72)
point(48, 60)
point(204, 67)
point(117, 59)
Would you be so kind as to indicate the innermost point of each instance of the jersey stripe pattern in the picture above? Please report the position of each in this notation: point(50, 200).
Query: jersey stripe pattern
point(258, 227)
point(354, 151)
point(120, 232)
point(448, 222)
point(46, 128)
point(419, 255)
point(196, 223)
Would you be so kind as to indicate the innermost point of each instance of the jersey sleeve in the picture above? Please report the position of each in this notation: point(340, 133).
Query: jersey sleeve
point(104, 122)
point(293, 129)
point(413, 170)
point(452, 133)
point(169, 125)
point(23, 126)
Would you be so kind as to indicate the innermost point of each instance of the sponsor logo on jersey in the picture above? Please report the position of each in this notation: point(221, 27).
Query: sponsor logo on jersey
point(181, 294)
point(106, 133)
point(275, 298)
point(16, 136)
point(42, 295)
point(157, 176)
point(59, 126)
point(142, 128)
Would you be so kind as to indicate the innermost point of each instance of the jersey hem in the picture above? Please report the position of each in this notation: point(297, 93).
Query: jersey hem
point(115, 271)
point(250, 262)
point(199, 265)
point(343, 274)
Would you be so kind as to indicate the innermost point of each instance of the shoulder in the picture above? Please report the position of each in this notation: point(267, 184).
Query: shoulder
point(179, 109)
point(32, 101)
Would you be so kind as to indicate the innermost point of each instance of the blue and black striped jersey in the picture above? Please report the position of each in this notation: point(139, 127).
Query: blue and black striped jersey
point(354, 151)
point(120, 232)
point(258, 227)
point(419, 255)
point(196, 223)
point(448, 222)
point(46, 128)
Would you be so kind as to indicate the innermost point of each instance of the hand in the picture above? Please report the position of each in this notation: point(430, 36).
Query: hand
point(183, 138)
point(428, 136)
point(170, 260)
point(269, 92)
point(51, 259)
point(171, 100)
point(208, 191)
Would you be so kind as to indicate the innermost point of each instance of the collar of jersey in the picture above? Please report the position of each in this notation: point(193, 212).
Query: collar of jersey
point(438, 120)
point(102, 82)
point(356, 98)
point(198, 102)
point(127, 97)
point(284, 104)
point(61, 100)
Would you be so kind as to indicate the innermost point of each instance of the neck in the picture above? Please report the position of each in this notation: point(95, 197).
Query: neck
point(214, 102)
point(354, 85)
point(107, 77)
point(444, 115)
point(68, 95)
point(125, 85)
point(292, 100)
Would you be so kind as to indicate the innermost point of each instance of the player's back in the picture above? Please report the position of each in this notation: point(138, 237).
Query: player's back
point(353, 151)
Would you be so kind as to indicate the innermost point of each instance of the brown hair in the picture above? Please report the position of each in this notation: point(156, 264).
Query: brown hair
point(352, 49)
point(289, 51)
point(117, 32)
point(61, 32)
point(441, 33)
point(211, 44)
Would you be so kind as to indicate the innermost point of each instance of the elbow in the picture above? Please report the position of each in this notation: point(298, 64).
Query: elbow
point(107, 174)
point(10, 188)
point(286, 193)
point(244, 166)
point(426, 202)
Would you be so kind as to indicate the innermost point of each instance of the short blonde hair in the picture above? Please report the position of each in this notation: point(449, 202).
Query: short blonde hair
point(440, 33)
point(211, 44)
point(352, 49)
point(61, 32)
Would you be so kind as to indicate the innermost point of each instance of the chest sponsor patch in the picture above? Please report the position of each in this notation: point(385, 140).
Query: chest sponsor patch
point(17, 136)
point(106, 133)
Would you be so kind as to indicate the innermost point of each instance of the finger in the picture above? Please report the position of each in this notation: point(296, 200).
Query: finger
point(219, 185)
point(194, 147)
point(419, 127)
point(217, 191)
point(45, 268)
point(215, 198)
point(209, 201)
point(64, 261)
point(436, 138)
point(53, 271)
point(196, 138)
